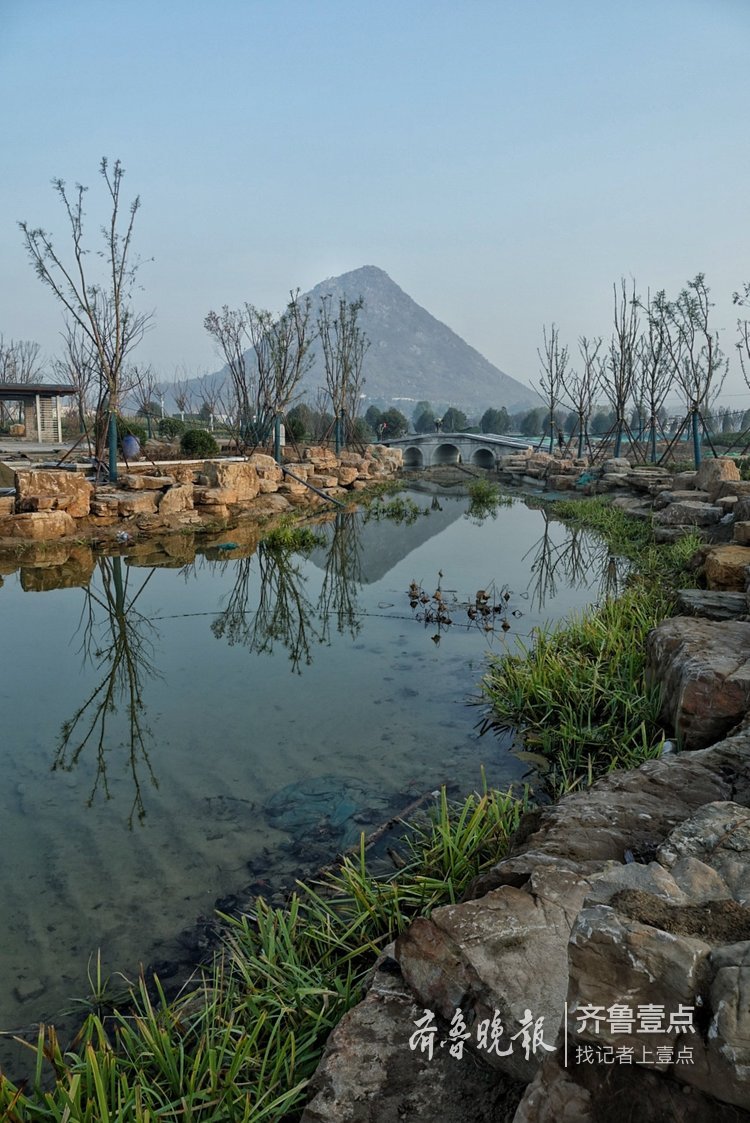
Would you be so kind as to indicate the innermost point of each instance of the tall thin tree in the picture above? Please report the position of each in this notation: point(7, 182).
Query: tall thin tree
point(103, 309)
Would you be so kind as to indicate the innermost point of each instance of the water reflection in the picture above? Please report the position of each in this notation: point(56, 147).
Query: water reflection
point(116, 640)
point(285, 614)
point(255, 764)
point(342, 578)
point(269, 606)
point(573, 561)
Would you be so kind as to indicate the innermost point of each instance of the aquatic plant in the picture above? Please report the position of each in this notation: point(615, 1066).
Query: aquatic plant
point(577, 694)
point(243, 1040)
point(289, 536)
point(485, 499)
point(400, 511)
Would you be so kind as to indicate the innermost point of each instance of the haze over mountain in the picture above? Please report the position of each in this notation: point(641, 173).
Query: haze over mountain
point(412, 356)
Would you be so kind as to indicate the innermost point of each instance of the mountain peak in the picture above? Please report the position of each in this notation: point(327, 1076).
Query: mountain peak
point(413, 355)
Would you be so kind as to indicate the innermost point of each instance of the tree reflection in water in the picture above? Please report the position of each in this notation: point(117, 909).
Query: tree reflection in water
point(573, 560)
point(285, 614)
point(116, 640)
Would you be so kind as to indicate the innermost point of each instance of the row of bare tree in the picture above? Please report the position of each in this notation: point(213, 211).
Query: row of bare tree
point(267, 357)
point(657, 347)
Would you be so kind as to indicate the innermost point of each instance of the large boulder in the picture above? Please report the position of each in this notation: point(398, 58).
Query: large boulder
point(724, 567)
point(176, 500)
point(703, 668)
point(500, 955)
point(618, 838)
point(375, 1069)
point(67, 491)
point(237, 476)
point(38, 526)
point(711, 474)
point(688, 513)
point(712, 604)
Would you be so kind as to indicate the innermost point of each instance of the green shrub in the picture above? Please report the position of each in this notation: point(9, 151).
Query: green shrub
point(171, 427)
point(295, 428)
point(198, 442)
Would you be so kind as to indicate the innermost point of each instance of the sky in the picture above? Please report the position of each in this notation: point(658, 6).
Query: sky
point(504, 161)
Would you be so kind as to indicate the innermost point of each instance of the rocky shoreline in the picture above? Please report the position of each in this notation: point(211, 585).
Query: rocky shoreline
point(43, 505)
point(602, 969)
point(629, 899)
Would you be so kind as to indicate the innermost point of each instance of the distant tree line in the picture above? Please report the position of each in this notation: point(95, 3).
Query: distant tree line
point(617, 387)
point(658, 346)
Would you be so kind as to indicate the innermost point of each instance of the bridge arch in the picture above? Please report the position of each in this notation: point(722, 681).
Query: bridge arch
point(446, 453)
point(413, 457)
point(483, 458)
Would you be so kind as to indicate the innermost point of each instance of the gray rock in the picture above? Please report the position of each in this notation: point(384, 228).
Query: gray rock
point(703, 667)
point(688, 513)
point(668, 534)
point(370, 1074)
point(680, 495)
point(626, 1093)
point(718, 835)
point(506, 952)
point(711, 604)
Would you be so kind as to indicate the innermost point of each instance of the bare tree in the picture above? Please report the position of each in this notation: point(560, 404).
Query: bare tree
point(554, 360)
point(618, 386)
point(743, 332)
point(697, 363)
point(581, 388)
point(183, 396)
point(102, 309)
point(78, 366)
point(20, 361)
point(229, 330)
point(19, 365)
point(144, 392)
point(653, 378)
point(344, 346)
point(267, 356)
point(210, 397)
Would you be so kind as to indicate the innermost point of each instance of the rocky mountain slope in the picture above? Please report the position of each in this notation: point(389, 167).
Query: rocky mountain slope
point(412, 356)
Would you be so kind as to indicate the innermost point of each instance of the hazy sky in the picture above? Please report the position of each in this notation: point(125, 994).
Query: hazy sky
point(503, 160)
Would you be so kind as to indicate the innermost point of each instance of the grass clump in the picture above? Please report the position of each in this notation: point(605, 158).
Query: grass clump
point(485, 499)
point(242, 1044)
point(292, 538)
point(402, 511)
point(578, 695)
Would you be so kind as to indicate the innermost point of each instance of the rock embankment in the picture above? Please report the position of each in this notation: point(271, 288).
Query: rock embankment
point(49, 505)
point(629, 902)
point(602, 969)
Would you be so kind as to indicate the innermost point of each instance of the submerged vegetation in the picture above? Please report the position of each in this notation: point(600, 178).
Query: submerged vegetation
point(243, 1042)
point(578, 693)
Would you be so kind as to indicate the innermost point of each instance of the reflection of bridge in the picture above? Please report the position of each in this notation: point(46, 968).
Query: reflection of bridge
point(431, 449)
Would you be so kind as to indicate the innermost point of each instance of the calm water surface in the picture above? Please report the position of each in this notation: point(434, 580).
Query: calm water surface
point(175, 732)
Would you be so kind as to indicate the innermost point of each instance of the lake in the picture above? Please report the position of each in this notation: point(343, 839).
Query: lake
point(186, 728)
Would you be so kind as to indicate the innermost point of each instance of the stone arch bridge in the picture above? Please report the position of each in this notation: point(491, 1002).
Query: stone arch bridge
point(429, 450)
